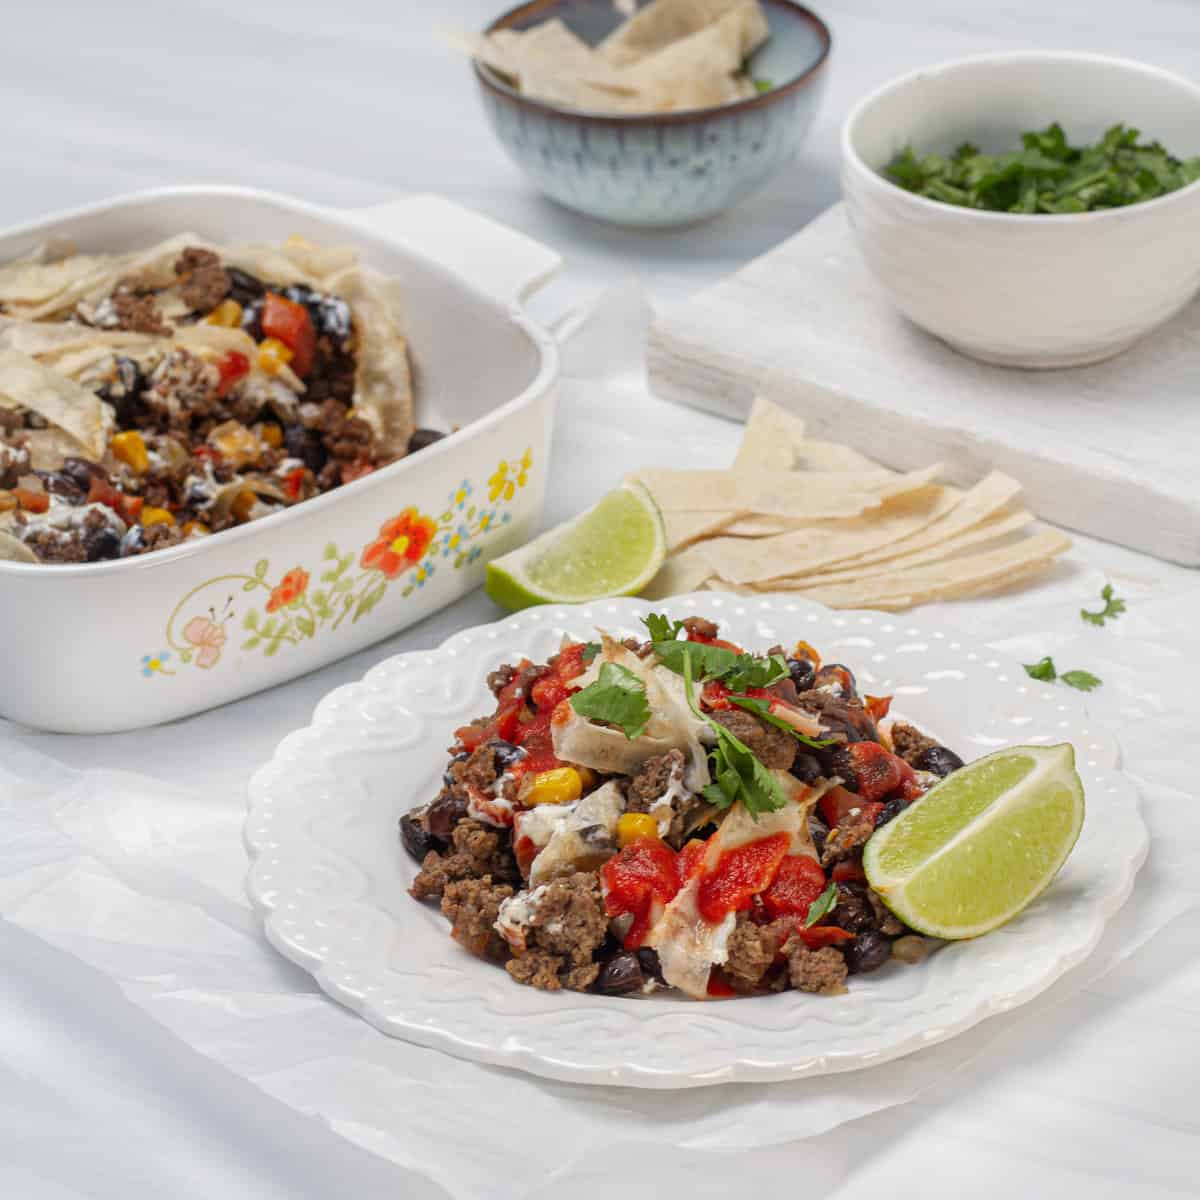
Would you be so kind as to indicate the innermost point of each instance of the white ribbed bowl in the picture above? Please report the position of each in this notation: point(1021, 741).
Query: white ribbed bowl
point(1025, 290)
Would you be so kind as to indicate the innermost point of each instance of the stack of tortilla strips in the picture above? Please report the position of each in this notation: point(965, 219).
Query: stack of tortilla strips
point(822, 521)
point(670, 56)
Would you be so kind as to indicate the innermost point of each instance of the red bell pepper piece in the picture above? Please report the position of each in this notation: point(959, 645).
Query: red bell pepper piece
point(876, 772)
point(293, 482)
point(837, 804)
point(718, 986)
point(642, 873)
point(232, 366)
point(878, 706)
point(816, 936)
point(290, 323)
point(848, 871)
point(797, 883)
point(739, 876)
point(31, 501)
point(100, 491)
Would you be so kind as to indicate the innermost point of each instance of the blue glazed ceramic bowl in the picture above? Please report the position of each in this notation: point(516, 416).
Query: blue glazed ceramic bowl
point(661, 169)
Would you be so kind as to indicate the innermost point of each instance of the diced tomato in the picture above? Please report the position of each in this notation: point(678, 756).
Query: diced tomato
point(31, 501)
point(131, 507)
point(637, 878)
point(716, 695)
point(209, 452)
point(690, 859)
point(878, 706)
point(797, 883)
point(718, 986)
point(876, 772)
point(100, 491)
point(816, 936)
point(290, 323)
point(293, 482)
point(356, 470)
point(232, 366)
point(740, 874)
point(848, 871)
point(836, 803)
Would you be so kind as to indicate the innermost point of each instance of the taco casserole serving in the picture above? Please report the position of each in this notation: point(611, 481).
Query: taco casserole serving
point(164, 395)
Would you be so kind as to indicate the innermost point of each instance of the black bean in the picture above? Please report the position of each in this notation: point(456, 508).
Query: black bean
point(868, 952)
point(620, 975)
point(443, 814)
point(651, 967)
point(507, 754)
point(938, 760)
point(305, 444)
point(807, 768)
point(837, 761)
point(416, 838)
point(802, 672)
point(837, 676)
point(853, 911)
point(82, 471)
point(422, 438)
point(891, 810)
point(101, 544)
point(59, 483)
point(819, 831)
point(243, 286)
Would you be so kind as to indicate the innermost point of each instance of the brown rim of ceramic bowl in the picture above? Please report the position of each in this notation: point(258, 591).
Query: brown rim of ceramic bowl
point(489, 79)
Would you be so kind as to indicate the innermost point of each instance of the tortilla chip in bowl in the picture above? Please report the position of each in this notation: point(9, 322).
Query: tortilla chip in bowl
point(661, 119)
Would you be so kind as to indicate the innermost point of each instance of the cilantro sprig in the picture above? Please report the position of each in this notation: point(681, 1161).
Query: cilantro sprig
point(1114, 606)
point(825, 903)
point(737, 773)
point(736, 671)
point(1047, 175)
point(1045, 671)
point(617, 696)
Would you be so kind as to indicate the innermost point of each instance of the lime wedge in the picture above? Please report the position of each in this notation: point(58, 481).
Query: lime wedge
point(980, 845)
point(613, 549)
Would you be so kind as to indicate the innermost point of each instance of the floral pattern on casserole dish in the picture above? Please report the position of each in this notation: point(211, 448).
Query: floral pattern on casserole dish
point(305, 601)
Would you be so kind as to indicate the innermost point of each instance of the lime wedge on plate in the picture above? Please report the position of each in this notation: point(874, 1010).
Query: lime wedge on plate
point(980, 845)
point(613, 549)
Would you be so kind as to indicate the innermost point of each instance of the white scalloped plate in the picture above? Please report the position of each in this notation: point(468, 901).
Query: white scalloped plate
point(330, 877)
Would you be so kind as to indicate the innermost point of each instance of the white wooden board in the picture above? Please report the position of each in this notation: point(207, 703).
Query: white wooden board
point(1111, 450)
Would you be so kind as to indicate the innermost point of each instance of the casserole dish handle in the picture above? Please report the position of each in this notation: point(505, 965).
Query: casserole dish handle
point(501, 262)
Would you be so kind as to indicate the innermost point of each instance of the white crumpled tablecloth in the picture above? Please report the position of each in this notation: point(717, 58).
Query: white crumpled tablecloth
point(140, 1002)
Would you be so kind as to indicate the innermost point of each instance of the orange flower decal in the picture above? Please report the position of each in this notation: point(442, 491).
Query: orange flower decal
point(291, 587)
point(402, 542)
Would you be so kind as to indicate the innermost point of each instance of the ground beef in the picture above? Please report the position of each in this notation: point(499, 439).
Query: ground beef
point(700, 628)
point(347, 440)
point(566, 929)
point(205, 283)
point(478, 770)
point(752, 950)
point(137, 314)
point(332, 374)
point(845, 720)
point(774, 748)
point(155, 537)
point(648, 785)
point(845, 838)
point(55, 545)
point(14, 461)
point(472, 906)
point(476, 853)
point(822, 971)
point(641, 649)
point(182, 388)
point(500, 678)
point(908, 741)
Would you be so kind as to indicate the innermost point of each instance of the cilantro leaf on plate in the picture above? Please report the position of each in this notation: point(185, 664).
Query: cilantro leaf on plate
point(618, 696)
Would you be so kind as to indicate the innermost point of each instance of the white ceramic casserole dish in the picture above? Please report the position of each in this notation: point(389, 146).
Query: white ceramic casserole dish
point(119, 645)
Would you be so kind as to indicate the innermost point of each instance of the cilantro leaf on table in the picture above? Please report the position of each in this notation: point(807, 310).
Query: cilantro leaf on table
point(1114, 606)
point(1046, 672)
point(825, 903)
point(762, 709)
point(618, 696)
point(737, 773)
point(763, 85)
point(1083, 681)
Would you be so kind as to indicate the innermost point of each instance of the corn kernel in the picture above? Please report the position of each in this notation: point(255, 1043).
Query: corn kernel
point(631, 826)
point(7, 502)
point(237, 444)
point(588, 777)
point(270, 433)
point(272, 355)
point(561, 785)
point(243, 506)
point(194, 529)
point(130, 448)
point(227, 314)
point(156, 516)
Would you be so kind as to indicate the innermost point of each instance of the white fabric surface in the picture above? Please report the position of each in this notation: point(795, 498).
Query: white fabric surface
point(152, 1045)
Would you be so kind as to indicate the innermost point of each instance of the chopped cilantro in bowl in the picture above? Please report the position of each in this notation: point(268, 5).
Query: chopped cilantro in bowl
point(1047, 175)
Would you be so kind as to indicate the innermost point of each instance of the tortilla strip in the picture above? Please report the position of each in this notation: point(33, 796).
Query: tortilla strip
point(991, 530)
point(769, 442)
point(780, 493)
point(318, 261)
point(684, 572)
point(14, 550)
point(944, 580)
point(829, 456)
point(29, 284)
point(658, 25)
point(41, 339)
point(383, 394)
point(744, 560)
point(699, 71)
point(27, 383)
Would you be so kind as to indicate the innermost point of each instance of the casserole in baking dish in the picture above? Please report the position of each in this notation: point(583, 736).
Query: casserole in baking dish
point(108, 645)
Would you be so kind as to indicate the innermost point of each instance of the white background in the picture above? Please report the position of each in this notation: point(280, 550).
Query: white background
point(352, 103)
